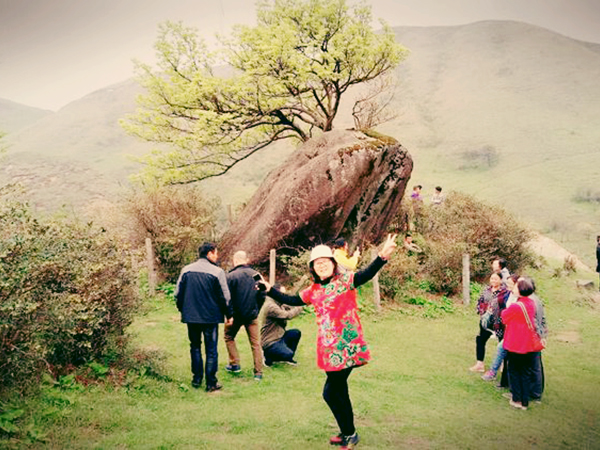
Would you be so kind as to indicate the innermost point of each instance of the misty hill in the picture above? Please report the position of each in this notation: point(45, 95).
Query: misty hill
point(505, 110)
point(79, 153)
point(525, 95)
point(15, 117)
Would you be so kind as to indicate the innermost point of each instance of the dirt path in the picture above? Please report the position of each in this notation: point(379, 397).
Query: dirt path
point(548, 248)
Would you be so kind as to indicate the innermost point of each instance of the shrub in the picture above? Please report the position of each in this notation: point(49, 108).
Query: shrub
point(398, 271)
point(461, 225)
point(587, 195)
point(66, 293)
point(485, 157)
point(484, 231)
point(177, 219)
point(443, 265)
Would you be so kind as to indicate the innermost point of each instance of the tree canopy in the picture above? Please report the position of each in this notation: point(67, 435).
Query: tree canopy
point(280, 79)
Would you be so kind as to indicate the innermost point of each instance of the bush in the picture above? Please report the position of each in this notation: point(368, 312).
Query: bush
point(484, 231)
point(461, 225)
point(67, 293)
point(485, 157)
point(397, 272)
point(177, 218)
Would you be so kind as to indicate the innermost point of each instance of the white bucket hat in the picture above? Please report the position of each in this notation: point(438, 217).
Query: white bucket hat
point(320, 251)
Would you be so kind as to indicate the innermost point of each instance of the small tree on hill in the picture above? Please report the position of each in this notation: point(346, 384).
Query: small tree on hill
point(286, 78)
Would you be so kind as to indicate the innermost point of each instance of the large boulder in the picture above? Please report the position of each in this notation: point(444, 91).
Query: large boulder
point(341, 183)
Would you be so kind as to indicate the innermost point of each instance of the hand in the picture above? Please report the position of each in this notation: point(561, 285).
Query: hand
point(263, 285)
point(229, 322)
point(388, 246)
point(357, 252)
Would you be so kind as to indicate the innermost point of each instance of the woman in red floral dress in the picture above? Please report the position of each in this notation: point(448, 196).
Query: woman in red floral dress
point(340, 342)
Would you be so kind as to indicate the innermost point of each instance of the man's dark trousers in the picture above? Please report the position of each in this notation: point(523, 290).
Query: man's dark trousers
point(210, 331)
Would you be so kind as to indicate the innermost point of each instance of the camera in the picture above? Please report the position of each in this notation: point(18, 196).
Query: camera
point(260, 285)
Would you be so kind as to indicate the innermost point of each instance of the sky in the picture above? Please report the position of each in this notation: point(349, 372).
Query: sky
point(55, 51)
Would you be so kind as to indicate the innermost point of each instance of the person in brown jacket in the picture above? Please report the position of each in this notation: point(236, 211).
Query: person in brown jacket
point(278, 343)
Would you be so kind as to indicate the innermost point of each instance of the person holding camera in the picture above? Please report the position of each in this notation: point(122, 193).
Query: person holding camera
point(341, 345)
point(246, 302)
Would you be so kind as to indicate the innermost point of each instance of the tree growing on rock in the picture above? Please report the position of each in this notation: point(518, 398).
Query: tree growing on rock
point(283, 79)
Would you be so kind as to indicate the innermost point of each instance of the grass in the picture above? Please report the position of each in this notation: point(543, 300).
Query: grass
point(416, 392)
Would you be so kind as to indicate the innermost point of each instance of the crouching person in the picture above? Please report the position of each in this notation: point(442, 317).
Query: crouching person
point(278, 343)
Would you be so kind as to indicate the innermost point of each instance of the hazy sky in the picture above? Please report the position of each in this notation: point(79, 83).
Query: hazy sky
point(55, 51)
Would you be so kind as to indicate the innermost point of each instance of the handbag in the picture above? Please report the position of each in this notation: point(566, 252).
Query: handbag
point(535, 337)
point(487, 320)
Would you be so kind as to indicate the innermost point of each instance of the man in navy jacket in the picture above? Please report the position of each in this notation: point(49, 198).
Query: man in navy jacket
point(246, 301)
point(203, 299)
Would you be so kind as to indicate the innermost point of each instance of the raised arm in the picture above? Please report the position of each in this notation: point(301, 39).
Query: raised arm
point(362, 276)
point(292, 300)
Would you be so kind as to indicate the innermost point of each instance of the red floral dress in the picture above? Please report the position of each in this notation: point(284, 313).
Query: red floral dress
point(340, 340)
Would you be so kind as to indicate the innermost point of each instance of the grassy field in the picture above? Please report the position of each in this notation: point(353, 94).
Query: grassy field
point(416, 392)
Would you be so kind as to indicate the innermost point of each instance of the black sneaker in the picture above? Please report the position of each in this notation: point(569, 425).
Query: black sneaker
point(233, 368)
point(291, 362)
point(267, 362)
point(216, 387)
point(350, 442)
point(196, 382)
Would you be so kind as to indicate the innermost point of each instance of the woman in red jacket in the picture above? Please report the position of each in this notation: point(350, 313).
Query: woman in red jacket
point(520, 343)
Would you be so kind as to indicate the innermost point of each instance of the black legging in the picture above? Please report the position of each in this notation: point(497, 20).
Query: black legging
point(335, 393)
point(480, 342)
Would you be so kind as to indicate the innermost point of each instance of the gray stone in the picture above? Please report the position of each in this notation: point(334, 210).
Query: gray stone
point(340, 183)
point(585, 284)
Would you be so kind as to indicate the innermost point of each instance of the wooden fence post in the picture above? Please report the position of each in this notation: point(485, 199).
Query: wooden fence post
point(376, 294)
point(151, 268)
point(136, 272)
point(272, 267)
point(466, 279)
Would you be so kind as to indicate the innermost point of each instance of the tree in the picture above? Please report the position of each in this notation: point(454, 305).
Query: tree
point(284, 79)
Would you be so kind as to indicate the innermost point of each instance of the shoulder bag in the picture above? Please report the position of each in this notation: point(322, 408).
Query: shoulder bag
point(535, 337)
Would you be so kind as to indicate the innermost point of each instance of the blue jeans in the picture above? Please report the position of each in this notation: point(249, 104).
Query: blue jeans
point(210, 331)
point(285, 348)
point(500, 355)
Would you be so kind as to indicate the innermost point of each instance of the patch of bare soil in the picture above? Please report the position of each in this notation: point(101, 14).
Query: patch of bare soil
point(571, 337)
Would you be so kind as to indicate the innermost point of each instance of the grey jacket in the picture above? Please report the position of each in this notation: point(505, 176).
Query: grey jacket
point(202, 294)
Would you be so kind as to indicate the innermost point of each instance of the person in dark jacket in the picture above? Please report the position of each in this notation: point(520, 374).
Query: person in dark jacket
point(598, 256)
point(246, 301)
point(203, 299)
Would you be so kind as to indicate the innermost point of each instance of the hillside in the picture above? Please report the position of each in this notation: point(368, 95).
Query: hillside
point(79, 153)
point(504, 110)
point(15, 117)
point(529, 94)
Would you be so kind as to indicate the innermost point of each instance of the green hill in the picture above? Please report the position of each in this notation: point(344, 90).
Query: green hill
point(525, 93)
